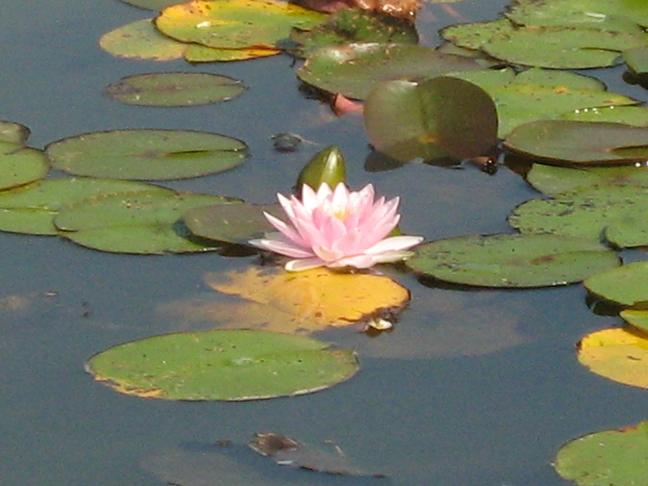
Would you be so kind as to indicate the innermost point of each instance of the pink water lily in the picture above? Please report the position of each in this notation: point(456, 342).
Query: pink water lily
point(337, 228)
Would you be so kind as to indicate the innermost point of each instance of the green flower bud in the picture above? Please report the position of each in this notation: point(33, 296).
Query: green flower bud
point(326, 166)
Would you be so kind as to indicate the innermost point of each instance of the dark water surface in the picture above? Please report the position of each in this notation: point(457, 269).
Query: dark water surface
point(474, 388)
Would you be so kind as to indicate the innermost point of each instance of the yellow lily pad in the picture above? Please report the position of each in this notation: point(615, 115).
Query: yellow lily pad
point(619, 354)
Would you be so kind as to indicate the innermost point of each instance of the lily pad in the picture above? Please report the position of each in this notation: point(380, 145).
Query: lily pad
point(150, 4)
point(637, 116)
point(147, 154)
point(512, 260)
point(637, 318)
point(31, 209)
point(436, 118)
point(236, 223)
point(565, 142)
point(637, 59)
point(608, 458)
point(197, 54)
point(140, 40)
point(14, 133)
point(20, 165)
point(613, 212)
point(552, 180)
point(175, 89)
point(626, 285)
point(618, 354)
point(231, 365)
point(226, 23)
point(354, 69)
point(474, 35)
point(141, 223)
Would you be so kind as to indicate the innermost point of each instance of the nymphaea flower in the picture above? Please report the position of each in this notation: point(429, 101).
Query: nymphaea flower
point(337, 228)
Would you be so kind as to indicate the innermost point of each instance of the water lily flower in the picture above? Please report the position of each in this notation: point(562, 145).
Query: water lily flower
point(337, 228)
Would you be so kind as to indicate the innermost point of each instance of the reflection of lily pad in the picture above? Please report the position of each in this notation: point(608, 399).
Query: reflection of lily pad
point(512, 260)
point(222, 365)
point(608, 458)
point(354, 69)
point(614, 212)
point(175, 89)
point(147, 154)
point(619, 354)
point(236, 223)
point(570, 142)
point(228, 23)
point(637, 318)
point(626, 285)
point(140, 40)
point(553, 180)
point(31, 209)
point(144, 223)
point(436, 118)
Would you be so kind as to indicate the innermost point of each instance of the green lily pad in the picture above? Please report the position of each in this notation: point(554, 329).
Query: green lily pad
point(626, 285)
point(552, 180)
point(637, 116)
point(175, 89)
point(20, 165)
point(355, 25)
point(235, 223)
point(141, 223)
point(150, 4)
point(141, 40)
point(564, 142)
point(226, 23)
point(613, 212)
point(512, 260)
point(637, 318)
point(354, 69)
point(637, 59)
point(14, 133)
point(147, 154)
point(540, 94)
point(436, 118)
point(229, 365)
point(31, 209)
point(608, 458)
point(562, 47)
point(198, 54)
point(474, 35)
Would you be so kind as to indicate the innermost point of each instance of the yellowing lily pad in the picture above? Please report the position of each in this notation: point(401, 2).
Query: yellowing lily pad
point(608, 458)
point(315, 299)
point(231, 365)
point(619, 354)
point(197, 54)
point(235, 23)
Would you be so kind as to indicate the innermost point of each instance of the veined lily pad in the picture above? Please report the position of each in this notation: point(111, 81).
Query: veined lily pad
point(141, 223)
point(229, 365)
point(637, 318)
point(637, 59)
point(618, 354)
point(31, 209)
point(140, 40)
point(436, 118)
point(197, 54)
point(235, 223)
point(235, 23)
point(175, 89)
point(608, 458)
point(568, 142)
point(626, 285)
point(147, 154)
point(613, 212)
point(512, 260)
point(354, 69)
point(15, 133)
point(552, 180)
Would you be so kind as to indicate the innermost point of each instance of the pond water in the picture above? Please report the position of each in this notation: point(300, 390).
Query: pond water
point(473, 387)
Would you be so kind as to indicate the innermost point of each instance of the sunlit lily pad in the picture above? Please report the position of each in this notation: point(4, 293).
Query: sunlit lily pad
point(554, 180)
point(236, 223)
point(311, 300)
point(147, 154)
point(637, 318)
point(197, 54)
point(227, 23)
point(608, 458)
point(610, 212)
point(355, 25)
point(619, 354)
point(175, 89)
point(436, 118)
point(14, 133)
point(354, 69)
point(140, 40)
point(476, 34)
point(626, 285)
point(228, 365)
point(512, 260)
point(569, 142)
point(141, 223)
point(31, 209)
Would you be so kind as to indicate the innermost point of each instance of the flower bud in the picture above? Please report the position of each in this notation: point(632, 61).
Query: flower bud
point(326, 166)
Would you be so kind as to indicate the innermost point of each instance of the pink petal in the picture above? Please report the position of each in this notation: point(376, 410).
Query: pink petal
point(277, 244)
point(357, 261)
point(303, 264)
point(285, 229)
point(395, 243)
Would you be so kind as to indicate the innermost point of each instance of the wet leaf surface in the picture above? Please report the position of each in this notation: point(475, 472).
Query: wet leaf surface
point(147, 154)
point(230, 365)
point(636, 116)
